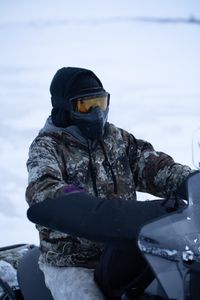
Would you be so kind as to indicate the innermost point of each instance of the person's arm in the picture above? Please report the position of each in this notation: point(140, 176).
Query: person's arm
point(154, 172)
point(116, 222)
point(46, 176)
point(158, 173)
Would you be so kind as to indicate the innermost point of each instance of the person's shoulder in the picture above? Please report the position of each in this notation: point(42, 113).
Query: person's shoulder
point(129, 139)
point(121, 134)
point(46, 139)
point(111, 128)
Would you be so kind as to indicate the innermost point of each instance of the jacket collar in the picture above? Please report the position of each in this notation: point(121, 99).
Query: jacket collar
point(71, 130)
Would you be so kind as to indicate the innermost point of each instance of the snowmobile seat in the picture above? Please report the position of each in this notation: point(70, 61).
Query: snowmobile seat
point(31, 278)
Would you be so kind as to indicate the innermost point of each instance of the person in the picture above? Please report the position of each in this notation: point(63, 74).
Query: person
point(79, 149)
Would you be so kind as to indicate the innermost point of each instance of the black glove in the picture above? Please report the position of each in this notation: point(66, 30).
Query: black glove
point(173, 204)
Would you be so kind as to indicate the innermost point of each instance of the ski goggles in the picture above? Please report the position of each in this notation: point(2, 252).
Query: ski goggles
point(86, 103)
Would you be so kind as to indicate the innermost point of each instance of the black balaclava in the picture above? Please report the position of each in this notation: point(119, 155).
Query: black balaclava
point(70, 83)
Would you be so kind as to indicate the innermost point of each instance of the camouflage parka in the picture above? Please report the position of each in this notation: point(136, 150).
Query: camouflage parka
point(117, 166)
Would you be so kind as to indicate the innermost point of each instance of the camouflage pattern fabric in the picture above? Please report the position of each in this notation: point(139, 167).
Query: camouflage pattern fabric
point(58, 159)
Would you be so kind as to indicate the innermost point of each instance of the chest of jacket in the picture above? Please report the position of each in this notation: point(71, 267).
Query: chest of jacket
point(106, 165)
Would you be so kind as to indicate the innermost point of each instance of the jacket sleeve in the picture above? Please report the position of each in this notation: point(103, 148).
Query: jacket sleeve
point(45, 175)
point(157, 172)
point(154, 172)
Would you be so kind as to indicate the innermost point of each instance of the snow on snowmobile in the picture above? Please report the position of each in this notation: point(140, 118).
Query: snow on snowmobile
point(170, 243)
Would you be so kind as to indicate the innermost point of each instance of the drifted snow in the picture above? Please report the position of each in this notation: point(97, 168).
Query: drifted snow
point(8, 274)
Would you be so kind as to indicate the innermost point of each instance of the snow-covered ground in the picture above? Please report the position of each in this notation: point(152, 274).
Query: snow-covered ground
point(151, 69)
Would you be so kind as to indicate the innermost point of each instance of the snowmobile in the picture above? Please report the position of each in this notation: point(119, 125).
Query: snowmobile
point(170, 244)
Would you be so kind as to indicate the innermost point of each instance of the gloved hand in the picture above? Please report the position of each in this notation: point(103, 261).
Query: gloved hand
point(173, 204)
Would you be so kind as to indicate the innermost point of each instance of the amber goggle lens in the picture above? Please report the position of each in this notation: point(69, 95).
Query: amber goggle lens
point(84, 105)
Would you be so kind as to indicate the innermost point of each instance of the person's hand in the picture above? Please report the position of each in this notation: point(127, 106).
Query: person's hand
point(173, 204)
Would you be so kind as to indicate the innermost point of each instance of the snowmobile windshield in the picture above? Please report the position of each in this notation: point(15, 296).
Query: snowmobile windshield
point(177, 236)
point(86, 103)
